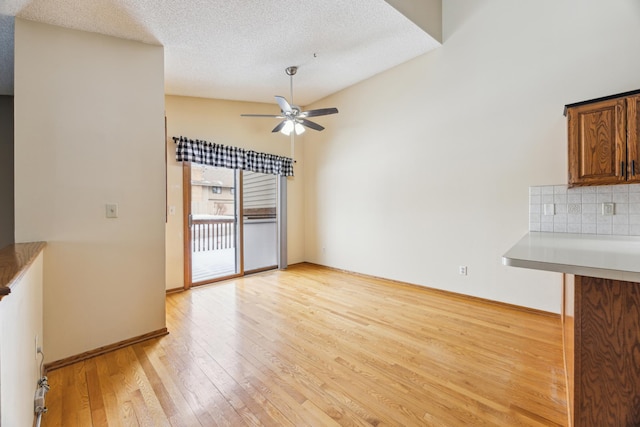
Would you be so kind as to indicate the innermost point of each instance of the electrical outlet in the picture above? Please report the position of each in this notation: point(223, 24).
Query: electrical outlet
point(549, 209)
point(608, 209)
point(462, 270)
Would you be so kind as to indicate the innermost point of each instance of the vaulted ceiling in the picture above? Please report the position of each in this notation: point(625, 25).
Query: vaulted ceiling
point(238, 50)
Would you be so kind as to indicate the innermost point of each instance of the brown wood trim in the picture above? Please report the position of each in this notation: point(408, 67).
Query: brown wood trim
point(240, 275)
point(102, 350)
point(301, 263)
point(217, 279)
point(186, 231)
point(15, 260)
point(260, 270)
point(442, 291)
point(174, 290)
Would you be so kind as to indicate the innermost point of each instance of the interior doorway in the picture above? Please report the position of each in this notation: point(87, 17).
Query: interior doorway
point(231, 223)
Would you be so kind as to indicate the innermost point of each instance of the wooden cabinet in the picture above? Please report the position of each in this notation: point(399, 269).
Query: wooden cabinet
point(603, 140)
point(601, 324)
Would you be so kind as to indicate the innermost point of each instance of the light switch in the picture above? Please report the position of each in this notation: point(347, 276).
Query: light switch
point(112, 210)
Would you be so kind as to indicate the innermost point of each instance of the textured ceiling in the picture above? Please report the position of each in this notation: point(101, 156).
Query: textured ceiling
point(239, 49)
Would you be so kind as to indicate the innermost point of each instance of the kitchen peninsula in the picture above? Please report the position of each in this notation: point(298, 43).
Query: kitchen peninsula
point(601, 320)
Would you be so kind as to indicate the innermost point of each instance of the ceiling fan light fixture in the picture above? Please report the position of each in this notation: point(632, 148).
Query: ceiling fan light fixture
point(287, 128)
point(292, 126)
point(299, 129)
point(293, 118)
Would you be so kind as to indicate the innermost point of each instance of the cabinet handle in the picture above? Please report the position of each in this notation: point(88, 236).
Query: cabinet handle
point(622, 169)
point(633, 168)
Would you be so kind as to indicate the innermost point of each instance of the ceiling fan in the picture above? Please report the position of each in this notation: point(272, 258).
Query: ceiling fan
point(293, 118)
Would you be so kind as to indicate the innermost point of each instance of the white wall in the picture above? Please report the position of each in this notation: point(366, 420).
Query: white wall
point(427, 166)
point(219, 121)
point(426, 14)
point(20, 323)
point(89, 130)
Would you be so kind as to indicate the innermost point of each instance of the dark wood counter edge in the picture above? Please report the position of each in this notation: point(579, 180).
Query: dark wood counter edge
point(15, 260)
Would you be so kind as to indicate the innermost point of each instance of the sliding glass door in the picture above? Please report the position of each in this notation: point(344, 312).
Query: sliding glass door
point(231, 226)
point(213, 230)
point(260, 221)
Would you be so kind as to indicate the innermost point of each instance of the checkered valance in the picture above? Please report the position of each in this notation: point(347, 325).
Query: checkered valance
point(209, 153)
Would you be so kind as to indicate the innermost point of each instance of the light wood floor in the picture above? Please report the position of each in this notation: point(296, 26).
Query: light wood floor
point(314, 347)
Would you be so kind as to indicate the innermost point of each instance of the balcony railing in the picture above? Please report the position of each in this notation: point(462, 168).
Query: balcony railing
point(212, 234)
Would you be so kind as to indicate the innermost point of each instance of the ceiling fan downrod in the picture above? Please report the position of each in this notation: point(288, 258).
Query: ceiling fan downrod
point(291, 71)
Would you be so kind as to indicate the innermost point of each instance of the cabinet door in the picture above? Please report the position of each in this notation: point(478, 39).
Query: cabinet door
point(597, 143)
point(633, 137)
point(606, 385)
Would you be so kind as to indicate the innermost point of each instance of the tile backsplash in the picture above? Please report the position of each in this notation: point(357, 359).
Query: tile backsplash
point(559, 209)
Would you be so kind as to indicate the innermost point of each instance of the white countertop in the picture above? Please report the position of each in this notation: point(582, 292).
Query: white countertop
point(608, 257)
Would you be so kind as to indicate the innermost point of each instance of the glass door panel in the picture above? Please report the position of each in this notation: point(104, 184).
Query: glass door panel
point(260, 225)
point(213, 224)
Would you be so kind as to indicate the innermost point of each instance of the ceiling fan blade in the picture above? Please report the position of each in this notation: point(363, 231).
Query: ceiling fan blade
point(284, 105)
point(277, 116)
point(310, 124)
point(279, 127)
point(319, 112)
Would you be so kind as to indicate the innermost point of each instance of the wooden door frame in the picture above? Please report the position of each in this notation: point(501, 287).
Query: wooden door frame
point(186, 230)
